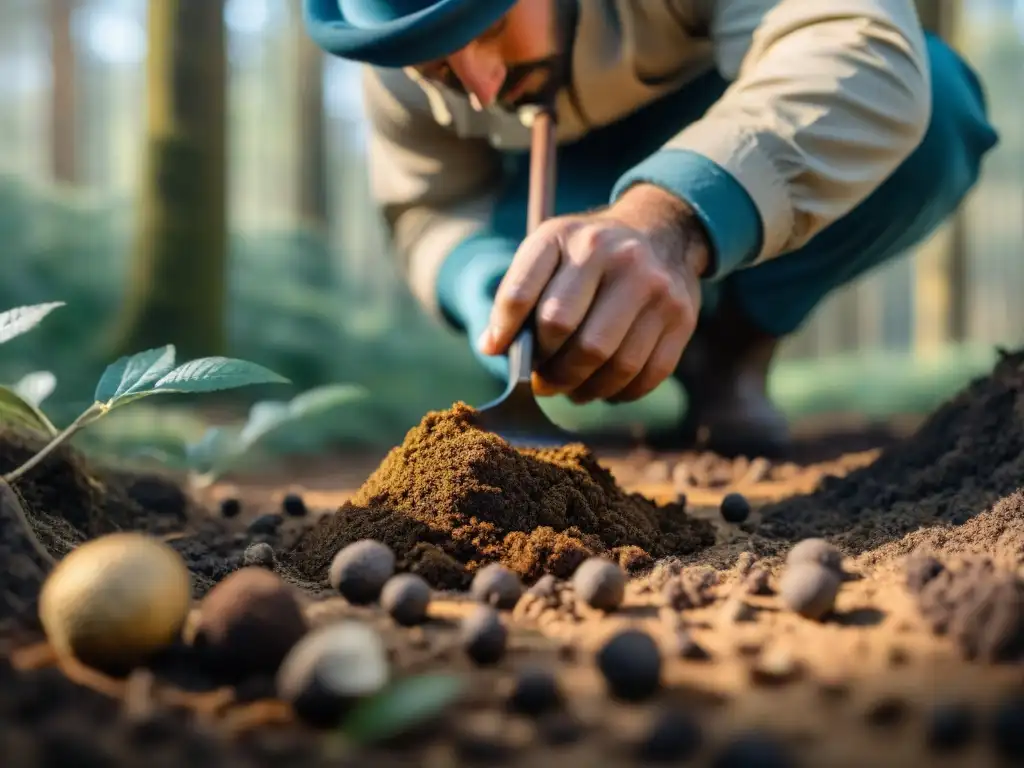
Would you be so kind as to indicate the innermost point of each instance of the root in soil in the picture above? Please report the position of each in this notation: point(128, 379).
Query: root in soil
point(454, 497)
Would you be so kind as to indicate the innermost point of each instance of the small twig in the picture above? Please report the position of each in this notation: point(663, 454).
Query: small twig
point(10, 499)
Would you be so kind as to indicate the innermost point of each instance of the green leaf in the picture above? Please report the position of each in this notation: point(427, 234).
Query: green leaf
point(36, 387)
point(210, 374)
point(14, 409)
point(15, 322)
point(401, 706)
point(209, 450)
point(134, 374)
point(269, 415)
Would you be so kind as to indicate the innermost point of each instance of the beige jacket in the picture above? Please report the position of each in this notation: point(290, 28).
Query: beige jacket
point(828, 97)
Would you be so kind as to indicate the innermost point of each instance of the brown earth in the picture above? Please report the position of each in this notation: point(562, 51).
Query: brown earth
point(915, 645)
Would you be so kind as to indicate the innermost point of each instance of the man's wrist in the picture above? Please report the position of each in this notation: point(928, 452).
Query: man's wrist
point(669, 221)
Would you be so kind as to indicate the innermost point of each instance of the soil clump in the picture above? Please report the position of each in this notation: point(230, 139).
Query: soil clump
point(453, 497)
point(926, 489)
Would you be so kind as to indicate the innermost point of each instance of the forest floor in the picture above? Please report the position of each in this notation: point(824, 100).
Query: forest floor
point(912, 667)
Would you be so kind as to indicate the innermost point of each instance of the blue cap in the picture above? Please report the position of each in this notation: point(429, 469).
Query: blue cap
point(399, 33)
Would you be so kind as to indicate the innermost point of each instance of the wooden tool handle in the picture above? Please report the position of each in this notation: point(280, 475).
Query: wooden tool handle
point(542, 170)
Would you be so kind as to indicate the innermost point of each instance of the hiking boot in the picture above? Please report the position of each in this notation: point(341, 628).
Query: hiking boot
point(724, 371)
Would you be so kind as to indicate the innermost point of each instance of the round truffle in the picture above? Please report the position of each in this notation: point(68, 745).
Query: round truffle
point(406, 597)
point(536, 692)
point(230, 507)
point(631, 664)
point(497, 586)
point(809, 589)
point(294, 505)
point(674, 737)
point(330, 669)
point(484, 636)
point(115, 601)
point(600, 584)
point(360, 570)
point(816, 551)
point(950, 727)
point(735, 508)
point(259, 555)
point(248, 623)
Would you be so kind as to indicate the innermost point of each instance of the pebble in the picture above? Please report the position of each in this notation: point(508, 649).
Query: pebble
point(360, 571)
point(248, 623)
point(950, 727)
point(816, 551)
point(919, 570)
point(268, 523)
point(544, 587)
point(756, 582)
point(1008, 728)
point(753, 750)
point(735, 508)
point(776, 666)
point(330, 669)
point(294, 505)
point(674, 737)
point(631, 664)
point(536, 692)
point(259, 555)
point(406, 597)
point(497, 586)
point(230, 507)
point(484, 636)
point(809, 589)
point(600, 584)
point(738, 611)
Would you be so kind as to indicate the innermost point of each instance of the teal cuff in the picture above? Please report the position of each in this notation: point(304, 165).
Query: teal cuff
point(469, 277)
point(728, 213)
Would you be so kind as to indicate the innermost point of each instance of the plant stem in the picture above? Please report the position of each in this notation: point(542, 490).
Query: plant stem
point(93, 412)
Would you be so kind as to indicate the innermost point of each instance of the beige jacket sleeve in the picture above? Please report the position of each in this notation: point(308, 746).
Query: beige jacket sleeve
point(435, 188)
point(828, 97)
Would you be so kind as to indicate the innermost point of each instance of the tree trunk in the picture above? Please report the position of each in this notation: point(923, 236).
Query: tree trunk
point(62, 107)
point(176, 292)
point(312, 171)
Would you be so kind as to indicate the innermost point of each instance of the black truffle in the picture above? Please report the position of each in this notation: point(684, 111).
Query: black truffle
point(809, 589)
point(248, 623)
point(674, 737)
point(1008, 728)
point(484, 636)
point(816, 551)
point(360, 570)
point(266, 524)
point(294, 505)
point(753, 750)
point(631, 664)
point(497, 586)
point(406, 597)
point(536, 692)
point(950, 727)
point(735, 508)
point(230, 507)
point(259, 555)
point(600, 584)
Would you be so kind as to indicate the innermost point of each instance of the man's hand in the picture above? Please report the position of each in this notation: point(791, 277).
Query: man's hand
point(616, 296)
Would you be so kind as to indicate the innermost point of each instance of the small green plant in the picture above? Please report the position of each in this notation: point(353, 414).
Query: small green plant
point(219, 450)
point(131, 378)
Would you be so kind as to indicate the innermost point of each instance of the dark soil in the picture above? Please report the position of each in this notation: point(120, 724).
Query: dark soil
point(453, 497)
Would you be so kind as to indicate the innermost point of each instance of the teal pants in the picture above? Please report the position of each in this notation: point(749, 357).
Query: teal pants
point(779, 294)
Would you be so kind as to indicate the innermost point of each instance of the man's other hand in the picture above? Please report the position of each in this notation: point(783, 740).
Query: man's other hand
point(615, 294)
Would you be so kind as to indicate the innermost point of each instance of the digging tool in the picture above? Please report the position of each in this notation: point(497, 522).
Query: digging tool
point(515, 415)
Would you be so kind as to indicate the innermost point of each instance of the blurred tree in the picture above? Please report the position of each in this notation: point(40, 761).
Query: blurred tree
point(312, 150)
point(177, 282)
point(63, 114)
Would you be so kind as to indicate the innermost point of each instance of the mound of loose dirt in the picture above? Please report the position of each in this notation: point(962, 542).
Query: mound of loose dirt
point(453, 497)
point(962, 460)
